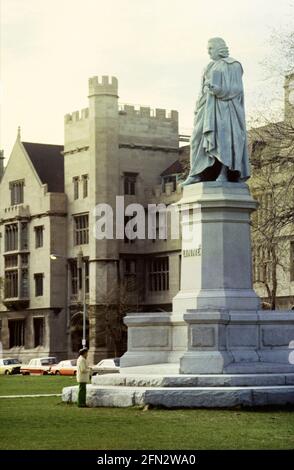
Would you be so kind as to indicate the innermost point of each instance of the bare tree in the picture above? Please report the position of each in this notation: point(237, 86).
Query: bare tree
point(114, 305)
point(280, 62)
point(272, 159)
point(270, 241)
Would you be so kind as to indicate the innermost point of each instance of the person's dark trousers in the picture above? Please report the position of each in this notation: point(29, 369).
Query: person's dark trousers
point(82, 394)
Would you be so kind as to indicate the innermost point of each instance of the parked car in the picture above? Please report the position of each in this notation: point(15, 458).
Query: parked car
point(106, 366)
point(39, 366)
point(68, 367)
point(10, 366)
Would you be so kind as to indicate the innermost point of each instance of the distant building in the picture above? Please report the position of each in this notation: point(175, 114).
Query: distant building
point(33, 208)
point(272, 183)
point(109, 150)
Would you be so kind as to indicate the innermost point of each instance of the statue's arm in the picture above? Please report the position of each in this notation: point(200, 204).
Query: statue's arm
point(227, 83)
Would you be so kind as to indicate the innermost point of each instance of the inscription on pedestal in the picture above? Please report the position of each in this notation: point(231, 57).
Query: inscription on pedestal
point(192, 252)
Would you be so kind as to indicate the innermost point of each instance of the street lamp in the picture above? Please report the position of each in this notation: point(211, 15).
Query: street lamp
point(81, 268)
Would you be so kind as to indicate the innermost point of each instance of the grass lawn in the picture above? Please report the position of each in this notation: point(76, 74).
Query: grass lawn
point(29, 385)
point(46, 423)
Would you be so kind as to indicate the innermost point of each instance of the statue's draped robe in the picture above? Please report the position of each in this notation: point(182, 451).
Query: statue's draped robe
point(219, 126)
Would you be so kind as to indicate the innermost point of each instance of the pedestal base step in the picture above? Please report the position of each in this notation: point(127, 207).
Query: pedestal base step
point(183, 397)
point(259, 368)
point(178, 380)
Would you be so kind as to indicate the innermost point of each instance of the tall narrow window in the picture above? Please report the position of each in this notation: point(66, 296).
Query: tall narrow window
point(85, 185)
point(76, 187)
point(130, 183)
point(16, 333)
point(16, 192)
point(74, 277)
point(39, 284)
point(11, 237)
point(11, 284)
point(158, 274)
point(38, 332)
point(81, 229)
point(130, 273)
point(39, 236)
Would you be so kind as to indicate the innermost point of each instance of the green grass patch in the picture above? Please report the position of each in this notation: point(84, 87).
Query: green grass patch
point(30, 385)
point(47, 423)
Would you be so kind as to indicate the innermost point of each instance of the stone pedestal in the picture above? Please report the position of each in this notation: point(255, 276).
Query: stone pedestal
point(216, 248)
point(216, 274)
point(216, 326)
point(224, 341)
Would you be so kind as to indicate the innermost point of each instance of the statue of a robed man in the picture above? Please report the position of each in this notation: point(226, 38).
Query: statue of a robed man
point(218, 145)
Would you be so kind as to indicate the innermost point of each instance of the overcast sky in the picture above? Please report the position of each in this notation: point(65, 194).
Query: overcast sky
point(156, 48)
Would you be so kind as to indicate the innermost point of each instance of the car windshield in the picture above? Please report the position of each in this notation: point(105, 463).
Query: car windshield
point(48, 361)
point(74, 362)
point(116, 361)
point(6, 362)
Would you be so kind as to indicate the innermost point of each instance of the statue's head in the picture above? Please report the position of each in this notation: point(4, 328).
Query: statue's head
point(217, 48)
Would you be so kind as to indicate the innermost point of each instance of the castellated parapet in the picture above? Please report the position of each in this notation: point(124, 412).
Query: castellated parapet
point(137, 126)
point(103, 86)
point(148, 127)
point(76, 116)
point(76, 130)
point(146, 112)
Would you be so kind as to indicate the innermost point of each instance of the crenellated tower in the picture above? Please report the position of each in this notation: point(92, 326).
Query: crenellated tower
point(104, 186)
point(104, 144)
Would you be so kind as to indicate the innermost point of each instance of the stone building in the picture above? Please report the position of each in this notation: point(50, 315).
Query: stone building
point(113, 154)
point(112, 150)
point(109, 150)
point(272, 182)
point(32, 225)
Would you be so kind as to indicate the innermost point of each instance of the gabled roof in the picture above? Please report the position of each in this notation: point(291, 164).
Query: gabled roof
point(49, 164)
point(174, 168)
